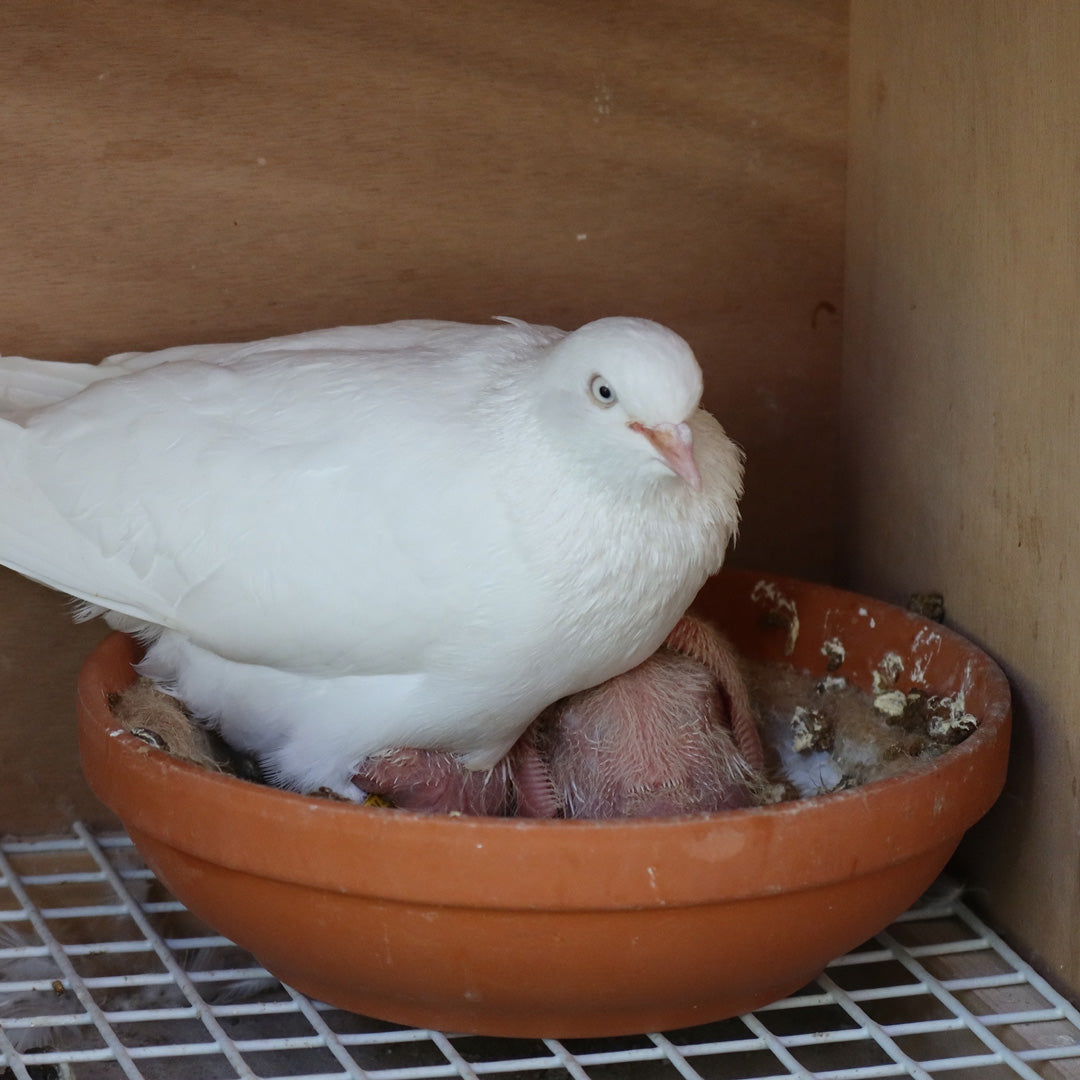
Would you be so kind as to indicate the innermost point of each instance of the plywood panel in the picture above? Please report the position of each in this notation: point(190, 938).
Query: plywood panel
point(961, 377)
point(188, 171)
point(41, 786)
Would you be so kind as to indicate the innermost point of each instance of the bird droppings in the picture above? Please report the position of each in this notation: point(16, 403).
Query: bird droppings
point(891, 702)
point(888, 670)
point(781, 611)
point(954, 724)
point(810, 730)
point(930, 605)
point(942, 719)
point(924, 648)
point(833, 651)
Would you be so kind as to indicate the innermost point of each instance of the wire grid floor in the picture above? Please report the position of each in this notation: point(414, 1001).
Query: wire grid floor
point(104, 975)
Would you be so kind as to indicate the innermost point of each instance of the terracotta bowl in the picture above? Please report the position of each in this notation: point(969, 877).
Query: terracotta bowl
point(570, 928)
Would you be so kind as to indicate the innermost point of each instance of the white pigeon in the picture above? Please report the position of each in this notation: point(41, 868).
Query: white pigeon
point(417, 534)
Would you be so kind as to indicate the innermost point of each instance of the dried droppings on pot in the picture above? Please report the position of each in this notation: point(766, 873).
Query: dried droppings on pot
point(924, 649)
point(891, 703)
point(834, 653)
point(941, 719)
point(779, 610)
point(890, 667)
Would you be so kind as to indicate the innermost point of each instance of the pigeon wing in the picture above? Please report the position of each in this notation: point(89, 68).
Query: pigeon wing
point(293, 507)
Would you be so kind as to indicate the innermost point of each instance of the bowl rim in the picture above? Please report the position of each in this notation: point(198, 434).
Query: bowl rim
point(411, 857)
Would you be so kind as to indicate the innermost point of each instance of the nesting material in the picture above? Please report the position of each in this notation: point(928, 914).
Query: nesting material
point(162, 722)
point(824, 735)
point(655, 741)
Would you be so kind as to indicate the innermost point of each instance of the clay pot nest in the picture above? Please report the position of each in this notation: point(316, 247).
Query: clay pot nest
point(571, 928)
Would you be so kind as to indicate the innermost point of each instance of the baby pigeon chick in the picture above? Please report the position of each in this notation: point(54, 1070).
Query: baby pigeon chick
point(436, 782)
point(675, 735)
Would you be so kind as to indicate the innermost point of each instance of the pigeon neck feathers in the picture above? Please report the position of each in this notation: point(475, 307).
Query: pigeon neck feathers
point(580, 479)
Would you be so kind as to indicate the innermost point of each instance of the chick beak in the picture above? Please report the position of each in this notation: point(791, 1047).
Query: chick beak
point(674, 443)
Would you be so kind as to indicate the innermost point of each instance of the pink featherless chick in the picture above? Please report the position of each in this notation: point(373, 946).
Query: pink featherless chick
point(674, 735)
point(436, 782)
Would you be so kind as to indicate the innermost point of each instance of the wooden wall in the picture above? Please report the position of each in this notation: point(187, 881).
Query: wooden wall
point(188, 171)
point(961, 382)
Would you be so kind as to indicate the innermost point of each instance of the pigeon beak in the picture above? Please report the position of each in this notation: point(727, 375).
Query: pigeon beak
point(674, 443)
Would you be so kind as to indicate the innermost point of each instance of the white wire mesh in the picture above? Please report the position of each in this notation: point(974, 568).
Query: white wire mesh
point(103, 975)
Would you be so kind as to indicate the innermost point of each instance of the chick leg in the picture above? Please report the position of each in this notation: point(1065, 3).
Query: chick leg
point(533, 785)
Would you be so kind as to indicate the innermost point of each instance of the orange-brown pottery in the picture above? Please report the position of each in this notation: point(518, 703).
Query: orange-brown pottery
point(570, 928)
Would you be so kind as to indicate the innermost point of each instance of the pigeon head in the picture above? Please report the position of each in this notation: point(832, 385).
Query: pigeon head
point(623, 389)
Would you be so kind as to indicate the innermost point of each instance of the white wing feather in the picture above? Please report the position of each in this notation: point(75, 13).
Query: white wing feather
point(129, 531)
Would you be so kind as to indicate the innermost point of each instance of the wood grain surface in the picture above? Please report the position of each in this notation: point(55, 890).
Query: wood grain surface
point(961, 420)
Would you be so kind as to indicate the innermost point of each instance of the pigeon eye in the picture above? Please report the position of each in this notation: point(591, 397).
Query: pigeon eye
point(601, 391)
